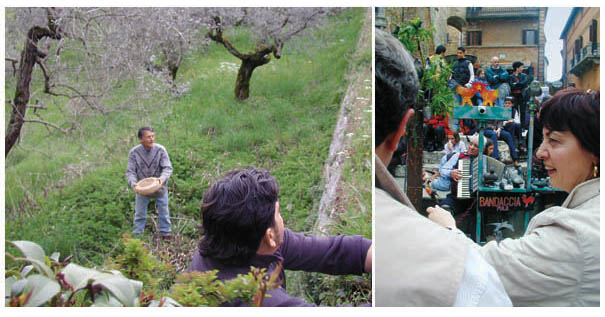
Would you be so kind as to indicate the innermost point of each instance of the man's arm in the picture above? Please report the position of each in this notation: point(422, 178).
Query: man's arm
point(335, 255)
point(472, 73)
point(165, 166)
point(447, 166)
point(503, 75)
point(131, 169)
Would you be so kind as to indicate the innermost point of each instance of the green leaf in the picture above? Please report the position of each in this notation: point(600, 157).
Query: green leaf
point(121, 288)
point(8, 284)
point(17, 287)
point(78, 276)
point(168, 302)
point(26, 269)
point(105, 300)
point(43, 289)
point(30, 250)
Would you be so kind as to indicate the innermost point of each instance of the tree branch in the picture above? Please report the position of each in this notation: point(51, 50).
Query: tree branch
point(47, 124)
point(216, 34)
point(14, 62)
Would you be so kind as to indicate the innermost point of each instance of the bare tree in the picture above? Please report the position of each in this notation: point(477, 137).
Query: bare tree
point(92, 53)
point(272, 28)
point(29, 57)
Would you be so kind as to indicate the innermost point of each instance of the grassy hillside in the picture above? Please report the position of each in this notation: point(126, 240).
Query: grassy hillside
point(68, 192)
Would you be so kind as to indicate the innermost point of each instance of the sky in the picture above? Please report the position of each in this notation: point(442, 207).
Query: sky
point(553, 26)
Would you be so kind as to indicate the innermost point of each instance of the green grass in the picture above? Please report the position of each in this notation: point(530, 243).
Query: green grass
point(285, 126)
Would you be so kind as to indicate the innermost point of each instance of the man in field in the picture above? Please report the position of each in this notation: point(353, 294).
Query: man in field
point(149, 159)
point(243, 227)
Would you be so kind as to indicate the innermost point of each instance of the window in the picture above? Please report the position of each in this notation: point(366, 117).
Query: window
point(593, 31)
point(530, 37)
point(473, 38)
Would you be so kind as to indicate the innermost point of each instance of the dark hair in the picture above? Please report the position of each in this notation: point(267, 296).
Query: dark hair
point(516, 65)
point(487, 144)
point(577, 111)
point(142, 131)
point(440, 49)
point(396, 84)
point(461, 48)
point(237, 210)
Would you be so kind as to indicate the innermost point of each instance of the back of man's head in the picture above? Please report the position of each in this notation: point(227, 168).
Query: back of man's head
point(440, 49)
point(396, 84)
point(237, 210)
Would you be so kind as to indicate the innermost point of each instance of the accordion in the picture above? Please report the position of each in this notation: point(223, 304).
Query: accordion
point(469, 182)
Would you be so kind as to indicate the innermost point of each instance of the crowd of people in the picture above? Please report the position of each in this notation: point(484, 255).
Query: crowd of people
point(512, 93)
point(428, 261)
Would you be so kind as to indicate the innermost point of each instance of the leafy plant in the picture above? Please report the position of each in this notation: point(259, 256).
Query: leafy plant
point(46, 282)
point(205, 289)
point(135, 261)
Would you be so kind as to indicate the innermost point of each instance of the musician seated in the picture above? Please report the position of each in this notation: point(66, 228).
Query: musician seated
point(449, 164)
point(449, 175)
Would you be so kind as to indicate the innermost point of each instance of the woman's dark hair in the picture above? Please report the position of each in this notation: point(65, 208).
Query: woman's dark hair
point(142, 131)
point(456, 136)
point(577, 111)
point(488, 143)
point(237, 210)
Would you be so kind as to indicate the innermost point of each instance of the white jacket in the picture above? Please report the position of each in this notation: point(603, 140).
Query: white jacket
point(420, 263)
point(556, 262)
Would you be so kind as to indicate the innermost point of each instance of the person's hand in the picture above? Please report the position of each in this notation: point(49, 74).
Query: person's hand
point(441, 216)
point(134, 186)
point(449, 146)
point(455, 175)
point(498, 132)
point(160, 181)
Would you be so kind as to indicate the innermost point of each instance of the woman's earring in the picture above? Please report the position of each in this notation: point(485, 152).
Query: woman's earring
point(595, 171)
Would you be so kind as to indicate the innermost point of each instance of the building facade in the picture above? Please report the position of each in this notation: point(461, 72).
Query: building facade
point(512, 34)
point(581, 48)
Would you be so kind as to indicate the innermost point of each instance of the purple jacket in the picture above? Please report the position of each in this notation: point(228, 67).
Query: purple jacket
point(336, 255)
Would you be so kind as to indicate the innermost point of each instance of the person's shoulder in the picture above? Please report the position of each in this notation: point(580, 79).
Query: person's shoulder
point(160, 147)
point(135, 148)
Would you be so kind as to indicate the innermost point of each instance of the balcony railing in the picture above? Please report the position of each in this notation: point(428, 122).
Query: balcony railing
point(476, 13)
point(582, 61)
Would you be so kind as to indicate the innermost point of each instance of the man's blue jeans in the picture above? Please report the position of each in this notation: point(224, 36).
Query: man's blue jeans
point(504, 135)
point(140, 214)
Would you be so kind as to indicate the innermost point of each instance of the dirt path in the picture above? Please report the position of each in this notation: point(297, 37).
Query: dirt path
point(357, 99)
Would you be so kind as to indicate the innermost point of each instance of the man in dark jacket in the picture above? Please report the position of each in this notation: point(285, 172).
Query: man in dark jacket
point(496, 77)
point(518, 82)
point(243, 227)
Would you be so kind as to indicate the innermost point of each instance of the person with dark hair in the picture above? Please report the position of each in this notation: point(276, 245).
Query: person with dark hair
point(410, 269)
point(557, 261)
point(497, 77)
point(463, 74)
point(149, 159)
point(242, 227)
point(494, 131)
point(513, 125)
point(454, 144)
point(518, 83)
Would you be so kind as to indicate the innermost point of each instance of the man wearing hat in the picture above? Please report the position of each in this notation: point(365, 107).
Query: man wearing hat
point(518, 82)
point(145, 160)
